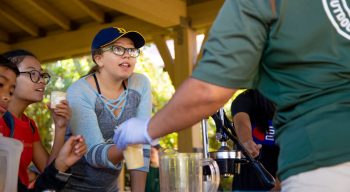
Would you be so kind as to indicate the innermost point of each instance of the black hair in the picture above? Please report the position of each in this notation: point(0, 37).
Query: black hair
point(18, 55)
point(4, 62)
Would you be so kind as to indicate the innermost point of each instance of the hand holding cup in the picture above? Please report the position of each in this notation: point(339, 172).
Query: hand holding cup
point(57, 97)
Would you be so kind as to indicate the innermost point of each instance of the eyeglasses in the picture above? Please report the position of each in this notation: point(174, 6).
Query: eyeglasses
point(118, 50)
point(35, 76)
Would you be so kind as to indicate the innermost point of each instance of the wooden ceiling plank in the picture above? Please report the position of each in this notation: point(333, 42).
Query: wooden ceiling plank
point(202, 15)
point(92, 10)
point(52, 13)
point(163, 13)
point(78, 42)
point(19, 20)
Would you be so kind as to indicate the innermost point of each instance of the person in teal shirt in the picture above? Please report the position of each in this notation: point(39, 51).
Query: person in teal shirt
point(296, 53)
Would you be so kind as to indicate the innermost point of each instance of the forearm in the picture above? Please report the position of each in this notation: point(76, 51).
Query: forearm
point(40, 156)
point(243, 127)
point(60, 165)
point(193, 101)
point(244, 132)
point(104, 155)
point(58, 142)
point(244, 135)
point(138, 180)
point(114, 155)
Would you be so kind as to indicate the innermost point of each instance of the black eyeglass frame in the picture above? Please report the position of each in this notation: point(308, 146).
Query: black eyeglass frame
point(129, 50)
point(45, 76)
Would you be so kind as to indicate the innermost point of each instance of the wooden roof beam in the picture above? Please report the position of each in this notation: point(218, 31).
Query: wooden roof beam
point(19, 20)
point(52, 13)
point(4, 46)
point(200, 54)
point(91, 10)
point(163, 13)
point(164, 52)
point(4, 36)
point(78, 42)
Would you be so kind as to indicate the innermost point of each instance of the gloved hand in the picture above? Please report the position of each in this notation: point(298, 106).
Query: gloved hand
point(132, 131)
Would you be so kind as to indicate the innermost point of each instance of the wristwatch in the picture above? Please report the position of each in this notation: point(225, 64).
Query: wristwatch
point(63, 176)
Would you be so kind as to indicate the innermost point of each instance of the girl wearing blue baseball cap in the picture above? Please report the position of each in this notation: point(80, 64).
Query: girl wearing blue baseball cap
point(110, 94)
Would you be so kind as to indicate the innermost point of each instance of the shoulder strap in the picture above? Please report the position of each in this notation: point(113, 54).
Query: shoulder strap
point(10, 123)
point(32, 126)
point(124, 86)
point(97, 85)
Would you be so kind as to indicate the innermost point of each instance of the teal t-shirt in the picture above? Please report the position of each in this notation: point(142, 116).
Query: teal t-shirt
point(297, 54)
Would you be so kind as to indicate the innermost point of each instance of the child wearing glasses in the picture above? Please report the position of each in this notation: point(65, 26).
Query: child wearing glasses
point(110, 94)
point(30, 87)
point(55, 173)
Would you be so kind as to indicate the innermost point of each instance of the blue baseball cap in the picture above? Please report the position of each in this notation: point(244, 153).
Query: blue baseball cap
point(111, 34)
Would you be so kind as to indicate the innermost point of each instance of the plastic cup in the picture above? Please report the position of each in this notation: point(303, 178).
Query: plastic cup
point(57, 97)
point(133, 155)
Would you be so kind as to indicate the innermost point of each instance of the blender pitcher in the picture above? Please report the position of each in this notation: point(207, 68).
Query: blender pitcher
point(183, 172)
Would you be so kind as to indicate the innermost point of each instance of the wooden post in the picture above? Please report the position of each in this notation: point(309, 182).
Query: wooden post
point(189, 140)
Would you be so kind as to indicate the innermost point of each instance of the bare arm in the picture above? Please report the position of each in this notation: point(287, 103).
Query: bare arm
point(193, 101)
point(40, 156)
point(243, 129)
point(138, 180)
point(61, 116)
point(115, 155)
point(243, 126)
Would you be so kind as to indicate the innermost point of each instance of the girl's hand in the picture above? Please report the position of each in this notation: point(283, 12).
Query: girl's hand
point(61, 114)
point(73, 149)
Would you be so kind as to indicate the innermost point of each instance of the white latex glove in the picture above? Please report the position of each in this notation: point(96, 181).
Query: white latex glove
point(133, 131)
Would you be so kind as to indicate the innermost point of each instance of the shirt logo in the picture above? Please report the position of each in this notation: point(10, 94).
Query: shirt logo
point(264, 136)
point(338, 13)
